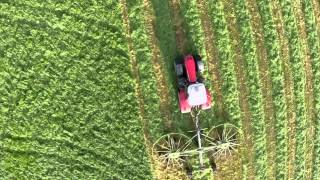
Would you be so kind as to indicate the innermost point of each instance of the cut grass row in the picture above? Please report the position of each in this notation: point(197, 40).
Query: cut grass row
point(277, 78)
point(145, 74)
point(211, 57)
point(289, 87)
point(258, 106)
point(255, 98)
point(228, 71)
point(299, 78)
point(313, 42)
point(226, 62)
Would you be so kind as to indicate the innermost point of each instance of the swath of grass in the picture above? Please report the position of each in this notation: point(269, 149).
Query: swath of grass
point(308, 90)
point(305, 10)
point(228, 69)
point(287, 53)
point(271, 42)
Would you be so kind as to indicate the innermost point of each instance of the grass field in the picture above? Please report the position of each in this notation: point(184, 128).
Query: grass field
point(87, 87)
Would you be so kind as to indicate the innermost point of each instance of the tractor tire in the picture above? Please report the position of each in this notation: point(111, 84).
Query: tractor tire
point(179, 69)
point(182, 82)
point(200, 66)
point(199, 63)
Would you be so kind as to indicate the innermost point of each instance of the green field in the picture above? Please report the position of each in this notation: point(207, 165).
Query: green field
point(86, 87)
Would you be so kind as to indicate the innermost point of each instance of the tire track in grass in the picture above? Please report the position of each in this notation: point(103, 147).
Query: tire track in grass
point(183, 44)
point(282, 21)
point(308, 89)
point(306, 14)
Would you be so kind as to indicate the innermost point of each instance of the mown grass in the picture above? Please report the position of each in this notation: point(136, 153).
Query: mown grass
point(64, 79)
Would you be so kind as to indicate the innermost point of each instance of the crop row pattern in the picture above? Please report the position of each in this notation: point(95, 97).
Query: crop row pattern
point(313, 42)
point(277, 79)
point(299, 79)
point(255, 98)
point(142, 49)
point(226, 61)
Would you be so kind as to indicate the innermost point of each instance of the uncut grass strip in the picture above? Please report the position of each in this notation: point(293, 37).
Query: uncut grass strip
point(68, 95)
point(257, 88)
point(314, 49)
point(277, 77)
point(152, 100)
point(59, 10)
point(54, 150)
point(61, 159)
point(302, 81)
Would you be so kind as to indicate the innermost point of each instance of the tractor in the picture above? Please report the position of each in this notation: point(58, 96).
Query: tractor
point(195, 154)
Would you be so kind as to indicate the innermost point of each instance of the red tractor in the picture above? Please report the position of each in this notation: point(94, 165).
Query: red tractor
point(192, 91)
point(179, 150)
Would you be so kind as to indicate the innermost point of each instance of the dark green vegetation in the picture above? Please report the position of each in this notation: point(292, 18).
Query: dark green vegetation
point(68, 104)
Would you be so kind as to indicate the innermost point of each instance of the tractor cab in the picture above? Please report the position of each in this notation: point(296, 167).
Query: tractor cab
point(192, 91)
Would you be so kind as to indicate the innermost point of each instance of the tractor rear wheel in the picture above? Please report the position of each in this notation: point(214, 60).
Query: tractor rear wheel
point(178, 69)
point(199, 62)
